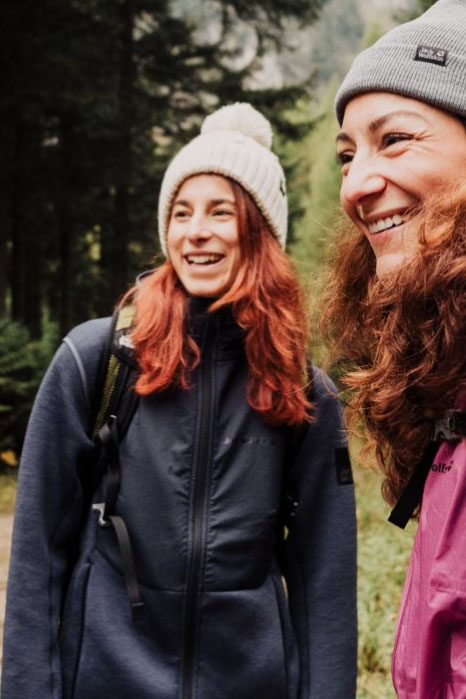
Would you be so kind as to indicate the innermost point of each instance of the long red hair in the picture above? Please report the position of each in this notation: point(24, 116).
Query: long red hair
point(399, 342)
point(266, 302)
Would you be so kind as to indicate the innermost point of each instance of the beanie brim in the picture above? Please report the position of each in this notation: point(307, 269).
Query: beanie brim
point(424, 59)
point(229, 154)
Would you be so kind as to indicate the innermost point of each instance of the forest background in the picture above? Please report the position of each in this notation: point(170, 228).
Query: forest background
point(97, 96)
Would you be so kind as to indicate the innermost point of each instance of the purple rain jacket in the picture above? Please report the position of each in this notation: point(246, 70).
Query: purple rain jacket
point(429, 657)
point(226, 631)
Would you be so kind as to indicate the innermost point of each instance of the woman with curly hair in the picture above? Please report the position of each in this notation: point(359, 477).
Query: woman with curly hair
point(172, 588)
point(396, 317)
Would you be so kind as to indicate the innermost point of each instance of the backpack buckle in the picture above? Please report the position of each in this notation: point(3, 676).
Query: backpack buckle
point(451, 426)
point(100, 508)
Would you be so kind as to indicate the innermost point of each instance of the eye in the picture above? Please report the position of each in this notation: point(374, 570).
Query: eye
point(391, 139)
point(180, 214)
point(343, 158)
point(222, 213)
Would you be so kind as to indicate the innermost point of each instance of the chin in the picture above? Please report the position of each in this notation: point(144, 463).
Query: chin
point(204, 292)
point(391, 263)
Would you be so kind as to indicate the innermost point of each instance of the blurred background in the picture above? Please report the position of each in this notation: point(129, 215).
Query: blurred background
point(97, 96)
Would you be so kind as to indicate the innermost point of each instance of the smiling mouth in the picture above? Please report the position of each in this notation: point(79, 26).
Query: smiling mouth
point(384, 224)
point(204, 259)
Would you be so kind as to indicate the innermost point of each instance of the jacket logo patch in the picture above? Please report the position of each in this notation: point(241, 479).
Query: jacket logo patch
point(343, 464)
point(442, 468)
point(431, 54)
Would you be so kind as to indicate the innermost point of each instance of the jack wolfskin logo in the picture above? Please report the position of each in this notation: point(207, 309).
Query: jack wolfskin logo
point(431, 54)
point(442, 468)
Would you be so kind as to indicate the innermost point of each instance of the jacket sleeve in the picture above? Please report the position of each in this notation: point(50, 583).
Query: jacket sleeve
point(319, 556)
point(46, 529)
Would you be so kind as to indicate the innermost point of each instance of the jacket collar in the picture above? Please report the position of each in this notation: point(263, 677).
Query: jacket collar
point(221, 323)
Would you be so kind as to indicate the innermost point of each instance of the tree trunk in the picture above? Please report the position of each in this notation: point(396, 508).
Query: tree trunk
point(7, 179)
point(119, 270)
point(20, 202)
point(65, 220)
point(28, 228)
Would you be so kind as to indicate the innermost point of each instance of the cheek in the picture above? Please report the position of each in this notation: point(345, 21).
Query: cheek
point(232, 241)
point(173, 241)
point(349, 209)
point(237, 258)
point(434, 176)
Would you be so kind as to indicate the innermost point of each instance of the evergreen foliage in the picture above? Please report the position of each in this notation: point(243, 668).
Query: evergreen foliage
point(322, 175)
point(22, 364)
point(98, 95)
point(341, 28)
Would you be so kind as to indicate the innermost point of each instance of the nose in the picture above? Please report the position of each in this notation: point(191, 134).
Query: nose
point(199, 229)
point(362, 181)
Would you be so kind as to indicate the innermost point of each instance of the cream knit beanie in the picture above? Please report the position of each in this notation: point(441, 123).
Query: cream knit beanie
point(235, 141)
point(424, 59)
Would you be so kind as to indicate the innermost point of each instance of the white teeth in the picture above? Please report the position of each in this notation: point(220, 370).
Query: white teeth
point(383, 223)
point(203, 259)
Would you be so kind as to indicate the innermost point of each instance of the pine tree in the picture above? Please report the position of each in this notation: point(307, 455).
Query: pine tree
point(22, 364)
point(99, 94)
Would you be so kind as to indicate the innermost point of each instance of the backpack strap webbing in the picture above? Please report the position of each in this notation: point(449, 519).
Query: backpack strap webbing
point(119, 354)
point(117, 407)
point(451, 426)
point(412, 494)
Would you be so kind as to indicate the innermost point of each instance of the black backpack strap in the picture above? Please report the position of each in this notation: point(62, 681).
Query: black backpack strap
point(412, 494)
point(110, 436)
point(451, 426)
point(117, 407)
point(112, 432)
point(118, 357)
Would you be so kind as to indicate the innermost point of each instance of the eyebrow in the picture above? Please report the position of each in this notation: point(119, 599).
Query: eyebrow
point(377, 124)
point(213, 202)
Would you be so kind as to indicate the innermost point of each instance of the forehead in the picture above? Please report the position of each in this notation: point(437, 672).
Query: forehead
point(365, 109)
point(205, 185)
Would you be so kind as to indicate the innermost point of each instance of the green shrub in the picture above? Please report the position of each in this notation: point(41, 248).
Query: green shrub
point(22, 365)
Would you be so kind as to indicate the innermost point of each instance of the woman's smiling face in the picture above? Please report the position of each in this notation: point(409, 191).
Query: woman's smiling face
point(203, 243)
point(395, 152)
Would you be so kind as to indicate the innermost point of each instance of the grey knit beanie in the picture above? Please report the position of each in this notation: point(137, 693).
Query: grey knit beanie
point(424, 59)
point(235, 141)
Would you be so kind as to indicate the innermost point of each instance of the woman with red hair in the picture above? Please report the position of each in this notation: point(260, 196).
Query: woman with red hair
point(397, 317)
point(232, 435)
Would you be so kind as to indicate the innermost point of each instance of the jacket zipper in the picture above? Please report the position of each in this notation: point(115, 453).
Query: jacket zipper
point(201, 463)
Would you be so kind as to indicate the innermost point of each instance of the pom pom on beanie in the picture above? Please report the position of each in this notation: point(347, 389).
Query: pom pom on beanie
point(243, 118)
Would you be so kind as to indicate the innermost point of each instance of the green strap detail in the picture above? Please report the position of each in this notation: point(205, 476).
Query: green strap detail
point(113, 368)
point(124, 322)
point(125, 318)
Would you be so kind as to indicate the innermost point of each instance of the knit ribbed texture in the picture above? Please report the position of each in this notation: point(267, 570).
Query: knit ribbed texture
point(390, 64)
point(231, 154)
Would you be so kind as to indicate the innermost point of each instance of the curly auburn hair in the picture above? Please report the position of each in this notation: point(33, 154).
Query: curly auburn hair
point(266, 302)
point(399, 342)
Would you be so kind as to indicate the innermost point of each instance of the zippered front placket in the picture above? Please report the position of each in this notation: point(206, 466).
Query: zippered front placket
point(200, 471)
